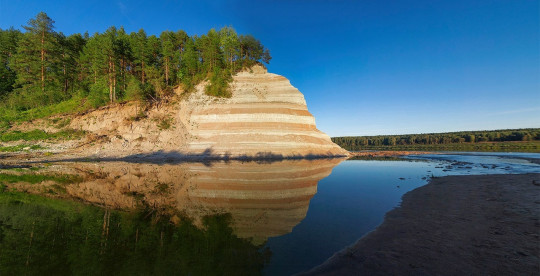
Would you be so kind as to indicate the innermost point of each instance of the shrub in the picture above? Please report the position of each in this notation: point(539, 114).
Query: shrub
point(165, 123)
point(99, 93)
point(134, 90)
point(219, 83)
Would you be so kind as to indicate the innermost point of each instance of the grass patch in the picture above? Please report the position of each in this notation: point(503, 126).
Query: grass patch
point(23, 169)
point(165, 123)
point(37, 135)
point(23, 147)
point(73, 105)
point(38, 178)
point(60, 122)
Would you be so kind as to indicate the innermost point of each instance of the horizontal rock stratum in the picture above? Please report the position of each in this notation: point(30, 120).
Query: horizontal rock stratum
point(266, 117)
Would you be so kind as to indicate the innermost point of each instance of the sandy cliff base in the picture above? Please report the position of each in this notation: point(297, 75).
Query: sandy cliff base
point(456, 225)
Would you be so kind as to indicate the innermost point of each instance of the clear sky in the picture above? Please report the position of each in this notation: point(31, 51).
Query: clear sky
point(366, 67)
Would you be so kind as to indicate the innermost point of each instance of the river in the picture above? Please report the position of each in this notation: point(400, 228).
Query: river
point(236, 218)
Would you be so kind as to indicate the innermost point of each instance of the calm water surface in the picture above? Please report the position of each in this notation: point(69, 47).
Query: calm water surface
point(231, 218)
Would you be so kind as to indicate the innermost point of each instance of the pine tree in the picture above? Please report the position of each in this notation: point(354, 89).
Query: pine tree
point(70, 50)
point(169, 44)
point(94, 58)
point(37, 60)
point(209, 46)
point(125, 55)
point(110, 48)
point(189, 64)
point(140, 53)
point(229, 44)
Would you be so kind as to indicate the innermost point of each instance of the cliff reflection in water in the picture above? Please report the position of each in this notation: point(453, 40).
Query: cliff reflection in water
point(140, 209)
point(264, 199)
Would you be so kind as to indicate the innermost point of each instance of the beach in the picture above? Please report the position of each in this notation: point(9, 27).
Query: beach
point(455, 225)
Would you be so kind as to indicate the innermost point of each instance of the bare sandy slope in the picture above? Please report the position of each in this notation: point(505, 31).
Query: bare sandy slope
point(456, 225)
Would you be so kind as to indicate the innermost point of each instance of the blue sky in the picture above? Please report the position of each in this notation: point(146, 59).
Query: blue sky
point(365, 67)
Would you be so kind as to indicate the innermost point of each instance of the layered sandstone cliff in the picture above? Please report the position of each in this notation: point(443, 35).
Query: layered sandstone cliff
point(265, 117)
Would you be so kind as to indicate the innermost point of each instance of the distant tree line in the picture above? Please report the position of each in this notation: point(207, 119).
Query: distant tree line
point(364, 142)
point(41, 66)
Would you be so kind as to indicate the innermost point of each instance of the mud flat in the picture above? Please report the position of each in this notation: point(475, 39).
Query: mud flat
point(455, 225)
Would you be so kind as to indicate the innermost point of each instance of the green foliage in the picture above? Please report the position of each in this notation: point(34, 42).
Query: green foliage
point(73, 105)
point(523, 140)
point(22, 147)
point(251, 51)
point(134, 90)
point(7, 80)
point(37, 63)
point(34, 178)
point(61, 122)
point(36, 135)
point(99, 94)
point(169, 54)
point(165, 123)
point(533, 146)
point(219, 83)
point(189, 65)
point(8, 47)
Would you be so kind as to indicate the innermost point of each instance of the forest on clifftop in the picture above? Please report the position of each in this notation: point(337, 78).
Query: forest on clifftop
point(44, 72)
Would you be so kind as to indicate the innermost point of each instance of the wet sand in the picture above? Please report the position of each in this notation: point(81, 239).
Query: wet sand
point(455, 225)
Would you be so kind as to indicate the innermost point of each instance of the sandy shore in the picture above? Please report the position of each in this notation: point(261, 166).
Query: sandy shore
point(455, 225)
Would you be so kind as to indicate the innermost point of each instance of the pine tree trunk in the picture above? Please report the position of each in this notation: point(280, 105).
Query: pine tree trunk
point(43, 62)
point(65, 73)
point(124, 73)
point(110, 81)
point(167, 70)
point(142, 73)
point(242, 57)
point(114, 82)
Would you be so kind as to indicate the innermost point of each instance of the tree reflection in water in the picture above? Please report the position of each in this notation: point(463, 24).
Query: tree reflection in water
point(44, 236)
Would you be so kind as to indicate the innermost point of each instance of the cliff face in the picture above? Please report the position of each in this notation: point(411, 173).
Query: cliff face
point(265, 117)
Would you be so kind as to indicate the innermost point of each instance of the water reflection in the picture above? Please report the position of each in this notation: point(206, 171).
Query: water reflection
point(44, 236)
point(213, 218)
point(263, 200)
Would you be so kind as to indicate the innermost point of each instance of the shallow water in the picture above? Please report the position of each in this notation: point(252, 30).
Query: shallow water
point(275, 218)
